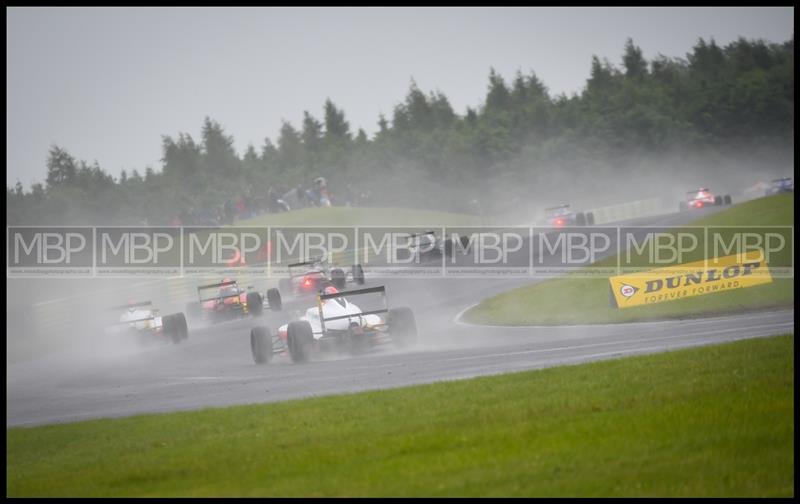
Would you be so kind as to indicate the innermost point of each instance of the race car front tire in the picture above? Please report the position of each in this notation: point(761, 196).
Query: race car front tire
point(727, 200)
point(261, 344)
point(358, 274)
point(274, 299)
point(402, 327)
point(590, 218)
point(299, 337)
point(175, 327)
point(255, 304)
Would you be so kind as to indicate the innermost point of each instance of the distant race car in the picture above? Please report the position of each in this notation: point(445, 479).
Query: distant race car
point(560, 216)
point(310, 276)
point(702, 197)
point(226, 300)
point(428, 244)
point(781, 185)
point(335, 324)
point(142, 320)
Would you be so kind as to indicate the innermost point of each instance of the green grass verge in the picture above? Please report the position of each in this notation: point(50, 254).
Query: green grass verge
point(711, 421)
point(355, 216)
point(577, 299)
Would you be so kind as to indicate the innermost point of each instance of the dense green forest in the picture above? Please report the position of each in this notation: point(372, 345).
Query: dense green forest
point(520, 143)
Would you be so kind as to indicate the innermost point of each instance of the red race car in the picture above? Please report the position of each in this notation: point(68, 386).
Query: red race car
point(310, 277)
point(702, 197)
point(226, 300)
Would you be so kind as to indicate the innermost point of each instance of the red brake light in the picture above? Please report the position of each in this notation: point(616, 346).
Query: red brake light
point(698, 204)
point(307, 282)
point(559, 222)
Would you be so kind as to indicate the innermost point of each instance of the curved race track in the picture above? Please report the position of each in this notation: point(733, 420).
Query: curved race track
point(214, 367)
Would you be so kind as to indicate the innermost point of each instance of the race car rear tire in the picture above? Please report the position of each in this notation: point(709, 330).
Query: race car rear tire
point(193, 310)
point(299, 337)
point(274, 299)
point(358, 274)
point(255, 304)
point(590, 218)
point(580, 219)
point(682, 206)
point(175, 327)
point(285, 285)
point(402, 327)
point(727, 199)
point(338, 278)
point(261, 344)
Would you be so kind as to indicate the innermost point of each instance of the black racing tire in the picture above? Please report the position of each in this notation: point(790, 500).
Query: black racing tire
point(338, 278)
point(193, 310)
point(682, 206)
point(402, 327)
point(261, 344)
point(727, 199)
point(175, 327)
point(255, 304)
point(717, 200)
point(274, 299)
point(358, 274)
point(285, 285)
point(580, 219)
point(590, 218)
point(299, 337)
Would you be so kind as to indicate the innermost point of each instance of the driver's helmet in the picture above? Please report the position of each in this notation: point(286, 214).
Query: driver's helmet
point(227, 289)
point(330, 289)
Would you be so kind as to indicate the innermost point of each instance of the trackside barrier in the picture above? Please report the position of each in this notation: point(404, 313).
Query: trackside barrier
point(630, 210)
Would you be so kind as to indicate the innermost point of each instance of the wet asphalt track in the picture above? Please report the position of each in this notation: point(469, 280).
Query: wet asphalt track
point(214, 367)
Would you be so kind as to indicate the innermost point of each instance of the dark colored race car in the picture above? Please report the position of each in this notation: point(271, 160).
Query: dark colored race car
point(781, 185)
point(143, 321)
point(226, 300)
point(560, 216)
point(336, 325)
point(310, 276)
point(429, 245)
point(702, 197)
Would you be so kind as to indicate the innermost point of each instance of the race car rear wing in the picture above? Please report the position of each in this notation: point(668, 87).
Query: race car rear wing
point(219, 286)
point(422, 234)
point(412, 236)
point(559, 207)
point(310, 262)
point(356, 292)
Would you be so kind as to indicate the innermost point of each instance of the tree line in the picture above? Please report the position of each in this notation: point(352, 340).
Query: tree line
point(425, 154)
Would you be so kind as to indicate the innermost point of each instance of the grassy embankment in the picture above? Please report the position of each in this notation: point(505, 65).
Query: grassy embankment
point(713, 421)
point(578, 299)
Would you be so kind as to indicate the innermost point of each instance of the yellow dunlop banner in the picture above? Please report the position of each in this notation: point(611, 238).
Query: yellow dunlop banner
point(691, 279)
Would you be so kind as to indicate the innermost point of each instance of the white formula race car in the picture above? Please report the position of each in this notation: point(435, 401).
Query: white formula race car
point(336, 325)
point(144, 321)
